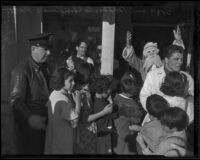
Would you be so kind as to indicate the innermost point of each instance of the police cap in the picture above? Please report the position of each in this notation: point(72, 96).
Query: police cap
point(41, 39)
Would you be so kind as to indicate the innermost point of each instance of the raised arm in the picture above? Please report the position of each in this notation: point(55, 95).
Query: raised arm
point(129, 54)
point(177, 37)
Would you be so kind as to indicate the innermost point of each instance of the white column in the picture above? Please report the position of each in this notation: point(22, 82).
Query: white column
point(108, 36)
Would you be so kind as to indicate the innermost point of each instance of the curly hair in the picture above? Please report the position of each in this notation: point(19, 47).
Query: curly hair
point(101, 84)
point(174, 84)
point(83, 73)
point(58, 78)
point(174, 117)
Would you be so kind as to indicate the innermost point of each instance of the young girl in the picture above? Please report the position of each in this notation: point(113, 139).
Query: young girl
point(175, 88)
point(174, 122)
point(87, 138)
point(63, 113)
point(130, 112)
point(102, 90)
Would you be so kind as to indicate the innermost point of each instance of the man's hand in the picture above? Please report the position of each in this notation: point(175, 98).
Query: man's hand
point(128, 38)
point(37, 122)
point(177, 33)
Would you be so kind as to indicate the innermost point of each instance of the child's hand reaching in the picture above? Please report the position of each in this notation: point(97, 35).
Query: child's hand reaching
point(135, 127)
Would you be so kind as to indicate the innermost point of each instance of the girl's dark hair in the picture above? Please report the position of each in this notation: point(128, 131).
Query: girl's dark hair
point(101, 84)
point(174, 84)
point(155, 104)
point(170, 50)
point(83, 73)
point(128, 83)
point(174, 117)
point(58, 78)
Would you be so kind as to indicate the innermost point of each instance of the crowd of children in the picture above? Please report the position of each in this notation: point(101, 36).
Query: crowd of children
point(89, 113)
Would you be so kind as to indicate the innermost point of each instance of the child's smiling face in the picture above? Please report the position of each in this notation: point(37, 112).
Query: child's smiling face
point(69, 83)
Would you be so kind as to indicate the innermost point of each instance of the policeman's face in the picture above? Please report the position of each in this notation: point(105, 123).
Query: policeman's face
point(174, 62)
point(82, 49)
point(40, 54)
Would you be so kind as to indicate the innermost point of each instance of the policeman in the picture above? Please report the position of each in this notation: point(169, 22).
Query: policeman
point(29, 94)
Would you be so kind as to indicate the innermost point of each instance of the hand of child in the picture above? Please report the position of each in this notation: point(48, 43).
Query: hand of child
point(74, 123)
point(134, 127)
point(108, 109)
point(146, 151)
point(182, 151)
point(77, 97)
point(139, 136)
point(110, 100)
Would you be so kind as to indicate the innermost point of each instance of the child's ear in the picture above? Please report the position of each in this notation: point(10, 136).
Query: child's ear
point(166, 60)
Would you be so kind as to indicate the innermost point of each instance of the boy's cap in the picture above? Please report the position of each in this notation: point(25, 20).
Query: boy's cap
point(41, 39)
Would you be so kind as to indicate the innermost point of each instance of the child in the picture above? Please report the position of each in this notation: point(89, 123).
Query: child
point(130, 112)
point(102, 91)
point(151, 133)
point(87, 139)
point(175, 87)
point(63, 113)
point(174, 122)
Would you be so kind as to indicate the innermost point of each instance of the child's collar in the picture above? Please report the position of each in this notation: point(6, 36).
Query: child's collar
point(125, 96)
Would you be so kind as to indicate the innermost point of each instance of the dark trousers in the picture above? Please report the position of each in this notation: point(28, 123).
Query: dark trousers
point(104, 145)
point(29, 141)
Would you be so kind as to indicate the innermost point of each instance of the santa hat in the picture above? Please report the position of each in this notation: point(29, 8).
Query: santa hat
point(150, 48)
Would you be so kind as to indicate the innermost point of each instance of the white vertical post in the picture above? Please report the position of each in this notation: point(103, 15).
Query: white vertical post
point(15, 20)
point(41, 24)
point(108, 35)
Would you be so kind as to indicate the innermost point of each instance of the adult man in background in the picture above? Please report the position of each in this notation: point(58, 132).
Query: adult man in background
point(172, 62)
point(29, 94)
